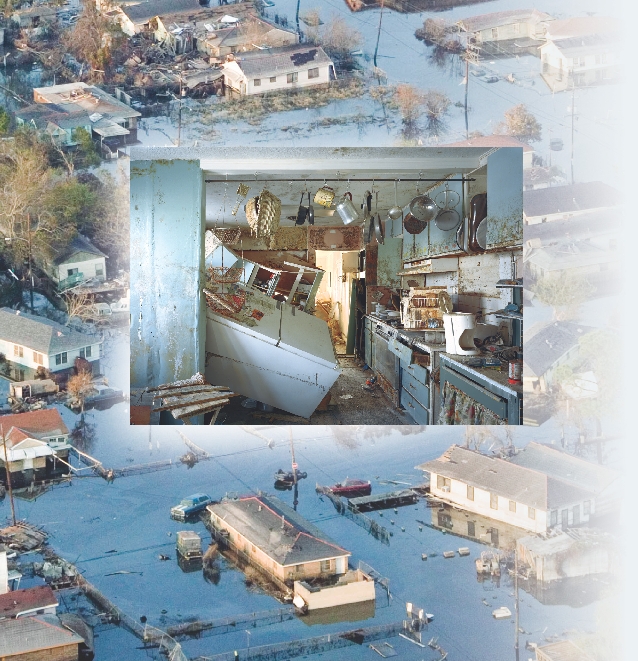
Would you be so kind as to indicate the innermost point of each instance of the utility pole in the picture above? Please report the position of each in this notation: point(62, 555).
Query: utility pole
point(294, 473)
point(376, 48)
point(572, 154)
point(179, 122)
point(516, 602)
point(297, 18)
point(471, 55)
point(30, 267)
point(8, 472)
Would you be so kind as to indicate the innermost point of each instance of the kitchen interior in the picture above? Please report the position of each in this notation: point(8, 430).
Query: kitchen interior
point(377, 282)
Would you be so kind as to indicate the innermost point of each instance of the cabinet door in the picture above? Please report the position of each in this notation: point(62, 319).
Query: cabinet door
point(389, 262)
point(505, 198)
point(367, 329)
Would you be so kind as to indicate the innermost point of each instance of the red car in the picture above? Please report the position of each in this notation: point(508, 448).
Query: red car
point(352, 488)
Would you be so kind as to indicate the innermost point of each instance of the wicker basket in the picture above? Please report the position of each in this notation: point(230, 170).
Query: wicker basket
point(225, 303)
point(225, 275)
point(227, 235)
point(263, 214)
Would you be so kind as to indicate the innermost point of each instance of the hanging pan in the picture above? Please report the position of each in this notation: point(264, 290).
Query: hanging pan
point(413, 225)
point(448, 217)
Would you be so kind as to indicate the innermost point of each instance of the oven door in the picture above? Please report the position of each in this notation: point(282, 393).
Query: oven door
point(387, 367)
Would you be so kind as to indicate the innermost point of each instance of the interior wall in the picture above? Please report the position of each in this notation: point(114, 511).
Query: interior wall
point(336, 264)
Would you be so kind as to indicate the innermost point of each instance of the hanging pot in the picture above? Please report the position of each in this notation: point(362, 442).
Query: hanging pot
point(412, 225)
point(477, 232)
point(346, 210)
point(311, 211)
point(325, 196)
point(378, 229)
point(422, 207)
point(460, 237)
point(302, 212)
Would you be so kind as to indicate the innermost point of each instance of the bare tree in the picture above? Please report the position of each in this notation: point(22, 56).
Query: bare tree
point(564, 294)
point(521, 124)
point(410, 103)
point(79, 305)
point(339, 39)
point(79, 386)
point(437, 105)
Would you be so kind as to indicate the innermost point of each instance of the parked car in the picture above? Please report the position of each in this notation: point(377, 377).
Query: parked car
point(189, 506)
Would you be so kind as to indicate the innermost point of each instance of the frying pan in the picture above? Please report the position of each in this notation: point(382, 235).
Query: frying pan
point(423, 208)
point(378, 229)
point(413, 225)
point(477, 234)
point(447, 219)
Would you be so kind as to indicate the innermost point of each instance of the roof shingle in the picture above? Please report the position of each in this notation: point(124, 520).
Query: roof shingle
point(31, 634)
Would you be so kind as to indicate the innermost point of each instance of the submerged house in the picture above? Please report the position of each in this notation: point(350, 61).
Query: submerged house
point(277, 69)
point(35, 440)
point(538, 489)
point(38, 600)
point(29, 342)
point(56, 122)
point(291, 551)
point(523, 25)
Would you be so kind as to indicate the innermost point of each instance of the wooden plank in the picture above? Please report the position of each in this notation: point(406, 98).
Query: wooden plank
point(189, 411)
point(176, 403)
point(188, 391)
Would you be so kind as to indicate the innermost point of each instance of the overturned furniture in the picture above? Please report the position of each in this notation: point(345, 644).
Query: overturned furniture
point(191, 397)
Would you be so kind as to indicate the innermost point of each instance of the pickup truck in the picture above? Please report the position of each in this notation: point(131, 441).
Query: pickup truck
point(190, 506)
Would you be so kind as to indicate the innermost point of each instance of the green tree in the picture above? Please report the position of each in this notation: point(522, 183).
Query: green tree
point(5, 121)
point(86, 148)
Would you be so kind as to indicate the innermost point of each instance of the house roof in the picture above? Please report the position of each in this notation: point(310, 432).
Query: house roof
point(31, 634)
point(287, 59)
point(570, 255)
point(565, 467)
point(551, 344)
point(14, 603)
point(579, 26)
point(584, 226)
point(35, 11)
point(564, 650)
point(144, 11)
point(492, 474)
point(494, 140)
point(41, 334)
point(42, 114)
point(587, 44)
point(79, 97)
point(523, 484)
point(40, 424)
point(276, 529)
point(237, 34)
point(79, 244)
point(495, 19)
point(569, 199)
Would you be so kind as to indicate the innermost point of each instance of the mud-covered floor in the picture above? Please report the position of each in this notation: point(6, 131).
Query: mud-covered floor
point(350, 404)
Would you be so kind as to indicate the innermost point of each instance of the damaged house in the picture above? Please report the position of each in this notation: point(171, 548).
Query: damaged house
point(112, 123)
point(289, 67)
point(298, 275)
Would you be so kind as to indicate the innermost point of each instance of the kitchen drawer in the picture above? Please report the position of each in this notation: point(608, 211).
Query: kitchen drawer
point(399, 349)
point(418, 390)
point(419, 372)
point(413, 408)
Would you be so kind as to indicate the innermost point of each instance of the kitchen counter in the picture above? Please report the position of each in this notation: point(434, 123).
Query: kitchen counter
point(415, 338)
point(494, 379)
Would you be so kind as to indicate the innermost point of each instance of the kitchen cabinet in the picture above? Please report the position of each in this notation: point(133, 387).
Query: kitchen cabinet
point(389, 262)
point(505, 198)
point(415, 392)
point(367, 342)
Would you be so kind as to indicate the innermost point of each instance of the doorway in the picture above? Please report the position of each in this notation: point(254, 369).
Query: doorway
point(336, 297)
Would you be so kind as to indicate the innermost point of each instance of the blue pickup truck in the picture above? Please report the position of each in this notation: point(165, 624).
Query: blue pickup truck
point(190, 506)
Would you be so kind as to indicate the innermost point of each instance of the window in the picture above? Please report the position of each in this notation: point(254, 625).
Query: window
point(88, 352)
point(587, 508)
point(99, 270)
point(494, 33)
point(531, 512)
point(553, 518)
point(325, 565)
point(513, 506)
point(61, 358)
point(470, 492)
point(471, 529)
point(18, 351)
point(71, 271)
point(38, 359)
point(576, 514)
point(564, 518)
point(517, 28)
point(292, 77)
point(257, 82)
point(443, 482)
point(82, 352)
point(493, 501)
point(313, 73)
point(273, 79)
point(298, 569)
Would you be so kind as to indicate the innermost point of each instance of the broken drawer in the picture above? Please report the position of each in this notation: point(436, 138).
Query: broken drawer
point(416, 411)
point(419, 372)
point(418, 390)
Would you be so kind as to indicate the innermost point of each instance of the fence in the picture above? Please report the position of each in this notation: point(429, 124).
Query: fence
point(315, 645)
